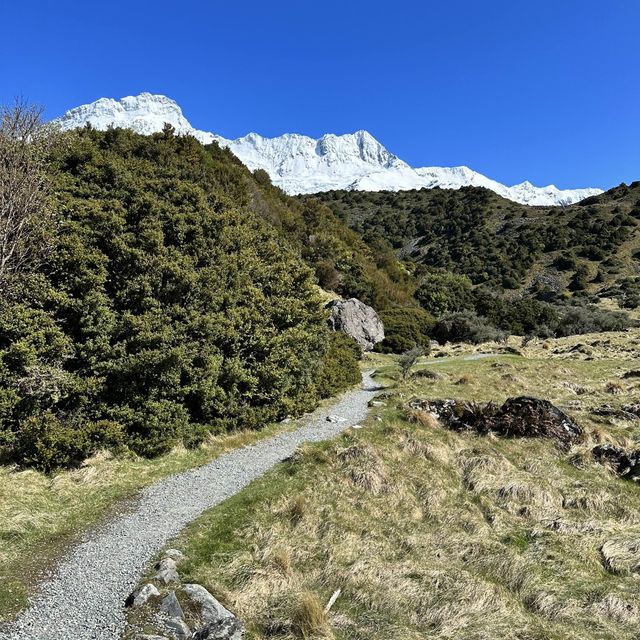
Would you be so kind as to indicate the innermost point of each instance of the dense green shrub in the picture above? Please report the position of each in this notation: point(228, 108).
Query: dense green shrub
point(589, 319)
point(405, 328)
point(466, 326)
point(443, 292)
point(340, 368)
point(169, 309)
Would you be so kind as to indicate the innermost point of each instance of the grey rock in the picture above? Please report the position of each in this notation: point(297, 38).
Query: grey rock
point(174, 554)
point(210, 609)
point(142, 595)
point(166, 564)
point(357, 320)
point(171, 606)
point(178, 628)
point(148, 637)
point(227, 629)
point(167, 576)
point(335, 419)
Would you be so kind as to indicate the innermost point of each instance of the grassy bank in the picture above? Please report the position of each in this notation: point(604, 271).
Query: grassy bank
point(433, 533)
point(41, 514)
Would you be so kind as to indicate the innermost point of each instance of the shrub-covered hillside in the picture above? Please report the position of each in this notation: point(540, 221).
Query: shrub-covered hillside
point(590, 247)
point(174, 302)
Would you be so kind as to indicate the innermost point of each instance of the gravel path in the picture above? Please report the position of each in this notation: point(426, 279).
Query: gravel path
point(84, 598)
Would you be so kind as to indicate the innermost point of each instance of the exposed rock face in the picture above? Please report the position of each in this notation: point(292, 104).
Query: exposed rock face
point(226, 629)
point(171, 607)
point(357, 320)
point(522, 417)
point(210, 609)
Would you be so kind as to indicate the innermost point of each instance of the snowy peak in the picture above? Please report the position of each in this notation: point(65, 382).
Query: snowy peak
point(300, 164)
point(145, 114)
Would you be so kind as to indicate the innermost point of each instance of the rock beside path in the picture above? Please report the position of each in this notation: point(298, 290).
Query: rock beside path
point(357, 320)
point(141, 596)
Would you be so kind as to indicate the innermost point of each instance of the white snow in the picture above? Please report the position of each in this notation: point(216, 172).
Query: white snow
point(300, 164)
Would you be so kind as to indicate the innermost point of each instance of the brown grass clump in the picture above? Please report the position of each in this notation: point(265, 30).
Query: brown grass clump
point(617, 609)
point(614, 387)
point(297, 508)
point(309, 620)
point(423, 418)
point(365, 468)
point(621, 556)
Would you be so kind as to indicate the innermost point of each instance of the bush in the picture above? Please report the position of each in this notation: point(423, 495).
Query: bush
point(443, 292)
point(169, 308)
point(405, 328)
point(47, 442)
point(340, 369)
point(466, 327)
point(578, 320)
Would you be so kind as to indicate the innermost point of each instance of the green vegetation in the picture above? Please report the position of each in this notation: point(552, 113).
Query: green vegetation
point(405, 328)
point(176, 304)
point(340, 368)
point(476, 233)
point(432, 532)
point(484, 265)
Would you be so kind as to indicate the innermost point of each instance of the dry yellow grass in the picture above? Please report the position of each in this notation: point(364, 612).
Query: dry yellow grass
point(40, 514)
point(431, 533)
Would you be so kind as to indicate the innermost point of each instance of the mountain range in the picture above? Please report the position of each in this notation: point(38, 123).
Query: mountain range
point(300, 164)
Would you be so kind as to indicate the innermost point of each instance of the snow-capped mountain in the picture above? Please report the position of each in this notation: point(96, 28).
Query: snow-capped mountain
point(300, 164)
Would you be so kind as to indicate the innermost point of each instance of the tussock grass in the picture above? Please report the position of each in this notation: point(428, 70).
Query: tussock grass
point(438, 534)
point(40, 514)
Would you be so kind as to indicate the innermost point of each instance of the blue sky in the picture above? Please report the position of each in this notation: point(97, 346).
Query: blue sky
point(546, 91)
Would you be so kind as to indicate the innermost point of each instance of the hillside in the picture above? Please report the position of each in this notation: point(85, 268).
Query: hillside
point(176, 301)
point(423, 530)
point(590, 248)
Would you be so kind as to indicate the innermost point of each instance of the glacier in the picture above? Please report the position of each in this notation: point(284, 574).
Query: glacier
point(300, 164)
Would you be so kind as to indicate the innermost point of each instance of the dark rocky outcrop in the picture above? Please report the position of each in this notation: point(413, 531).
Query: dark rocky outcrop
point(357, 320)
point(625, 464)
point(523, 417)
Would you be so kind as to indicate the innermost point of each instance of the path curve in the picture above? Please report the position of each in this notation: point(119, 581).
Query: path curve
point(84, 598)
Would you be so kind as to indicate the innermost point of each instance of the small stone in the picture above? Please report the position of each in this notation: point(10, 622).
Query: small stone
point(166, 564)
point(167, 576)
point(357, 426)
point(141, 596)
point(377, 403)
point(210, 609)
point(227, 629)
point(171, 606)
point(148, 637)
point(336, 419)
point(174, 554)
point(178, 628)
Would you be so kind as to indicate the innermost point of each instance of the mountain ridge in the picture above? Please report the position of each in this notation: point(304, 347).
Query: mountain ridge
point(300, 164)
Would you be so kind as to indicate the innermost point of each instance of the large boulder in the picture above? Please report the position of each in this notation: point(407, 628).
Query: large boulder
point(357, 320)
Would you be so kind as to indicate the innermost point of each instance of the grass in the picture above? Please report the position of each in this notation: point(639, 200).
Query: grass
point(41, 514)
point(431, 533)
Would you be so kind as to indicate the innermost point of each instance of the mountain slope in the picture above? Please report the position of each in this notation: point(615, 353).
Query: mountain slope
point(300, 164)
point(592, 246)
